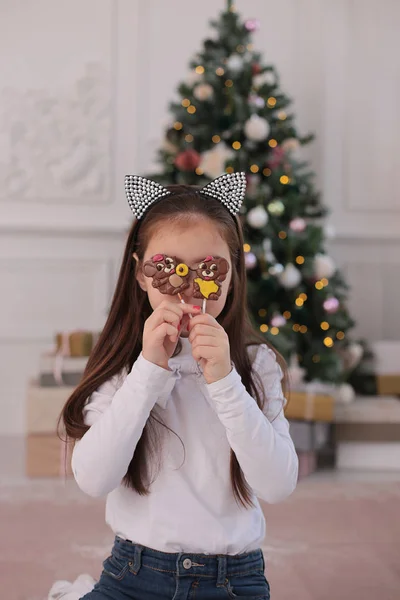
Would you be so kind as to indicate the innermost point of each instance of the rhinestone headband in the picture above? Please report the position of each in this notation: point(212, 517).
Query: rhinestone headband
point(141, 193)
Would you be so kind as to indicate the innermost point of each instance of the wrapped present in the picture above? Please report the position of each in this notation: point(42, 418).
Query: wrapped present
point(48, 456)
point(76, 343)
point(310, 406)
point(43, 407)
point(309, 436)
point(387, 361)
point(307, 463)
point(55, 370)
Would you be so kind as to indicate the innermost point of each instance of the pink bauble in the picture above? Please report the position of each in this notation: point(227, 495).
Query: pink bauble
point(278, 321)
point(252, 25)
point(250, 260)
point(331, 305)
point(298, 225)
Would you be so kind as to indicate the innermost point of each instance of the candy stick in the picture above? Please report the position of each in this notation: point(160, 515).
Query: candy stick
point(183, 302)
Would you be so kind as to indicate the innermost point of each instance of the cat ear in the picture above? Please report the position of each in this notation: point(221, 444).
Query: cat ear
point(142, 192)
point(229, 189)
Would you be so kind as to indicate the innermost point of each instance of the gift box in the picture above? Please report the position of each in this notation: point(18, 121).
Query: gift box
point(307, 463)
point(48, 456)
point(43, 407)
point(387, 365)
point(367, 434)
point(309, 436)
point(76, 343)
point(309, 406)
point(55, 370)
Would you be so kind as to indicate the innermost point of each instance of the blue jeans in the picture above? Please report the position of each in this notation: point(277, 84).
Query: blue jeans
point(134, 572)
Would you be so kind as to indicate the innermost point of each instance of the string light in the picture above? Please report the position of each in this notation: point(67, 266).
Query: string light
point(236, 145)
point(299, 302)
point(324, 281)
point(178, 125)
point(272, 143)
point(262, 312)
point(319, 285)
point(216, 139)
point(282, 235)
point(189, 137)
point(340, 335)
point(325, 325)
point(300, 260)
point(220, 71)
point(303, 296)
point(254, 168)
point(199, 171)
point(229, 170)
point(240, 48)
point(282, 115)
point(267, 172)
point(271, 102)
point(229, 83)
point(274, 330)
point(296, 327)
point(328, 341)
point(264, 328)
point(303, 329)
point(199, 69)
point(316, 358)
point(186, 102)
point(284, 179)
point(287, 314)
point(246, 247)
point(191, 109)
point(250, 47)
point(232, 8)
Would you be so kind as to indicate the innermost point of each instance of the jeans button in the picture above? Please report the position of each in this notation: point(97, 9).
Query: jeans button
point(187, 563)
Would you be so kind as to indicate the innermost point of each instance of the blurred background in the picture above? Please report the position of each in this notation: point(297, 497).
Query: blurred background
point(85, 90)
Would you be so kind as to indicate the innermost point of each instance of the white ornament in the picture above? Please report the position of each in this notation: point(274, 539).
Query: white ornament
point(290, 145)
point(259, 80)
point(194, 77)
point(256, 128)
point(213, 161)
point(257, 217)
point(324, 266)
point(203, 91)
point(234, 63)
point(290, 277)
point(345, 393)
point(352, 355)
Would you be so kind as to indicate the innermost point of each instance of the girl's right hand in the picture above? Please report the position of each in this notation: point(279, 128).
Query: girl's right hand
point(161, 331)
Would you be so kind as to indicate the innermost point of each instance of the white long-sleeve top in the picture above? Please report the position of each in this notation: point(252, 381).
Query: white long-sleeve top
point(191, 507)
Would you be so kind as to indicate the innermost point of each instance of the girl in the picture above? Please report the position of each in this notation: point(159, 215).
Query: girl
point(179, 418)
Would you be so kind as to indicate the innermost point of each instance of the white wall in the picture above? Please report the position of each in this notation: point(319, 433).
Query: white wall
point(83, 100)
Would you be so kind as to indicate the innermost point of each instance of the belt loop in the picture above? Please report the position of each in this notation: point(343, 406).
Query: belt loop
point(137, 559)
point(221, 571)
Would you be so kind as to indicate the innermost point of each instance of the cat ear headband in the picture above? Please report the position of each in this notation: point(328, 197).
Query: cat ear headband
point(141, 193)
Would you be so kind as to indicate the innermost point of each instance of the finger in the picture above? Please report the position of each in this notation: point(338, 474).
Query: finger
point(166, 316)
point(166, 330)
point(179, 307)
point(206, 352)
point(206, 340)
point(201, 329)
point(205, 319)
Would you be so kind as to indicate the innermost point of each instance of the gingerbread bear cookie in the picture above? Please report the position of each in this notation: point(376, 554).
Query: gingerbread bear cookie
point(211, 272)
point(170, 275)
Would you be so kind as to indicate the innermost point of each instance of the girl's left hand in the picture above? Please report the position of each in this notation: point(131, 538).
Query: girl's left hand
point(210, 347)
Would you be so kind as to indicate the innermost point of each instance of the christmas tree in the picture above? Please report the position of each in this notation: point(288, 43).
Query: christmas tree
point(233, 116)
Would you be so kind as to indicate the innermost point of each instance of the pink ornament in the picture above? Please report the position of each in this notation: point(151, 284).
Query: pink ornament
point(256, 101)
point(298, 224)
point(331, 305)
point(278, 321)
point(250, 260)
point(276, 157)
point(252, 25)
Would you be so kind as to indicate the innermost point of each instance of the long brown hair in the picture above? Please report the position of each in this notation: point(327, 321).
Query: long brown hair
point(120, 342)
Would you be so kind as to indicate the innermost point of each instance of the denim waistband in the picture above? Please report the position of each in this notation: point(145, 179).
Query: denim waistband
point(219, 566)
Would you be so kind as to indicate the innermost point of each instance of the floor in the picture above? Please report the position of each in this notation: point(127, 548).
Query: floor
point(337, 537)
